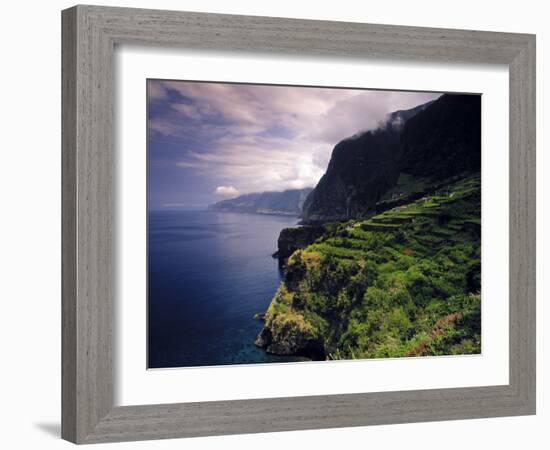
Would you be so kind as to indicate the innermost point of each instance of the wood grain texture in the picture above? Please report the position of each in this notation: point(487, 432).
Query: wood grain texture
point(89, 37)
point(523, 224)
point(68, 226)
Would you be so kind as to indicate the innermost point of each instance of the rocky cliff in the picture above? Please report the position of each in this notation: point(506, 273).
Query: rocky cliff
point(292, 239)
point(444, 140)
point(405, 282)
point(289, 202)
point(392, 266)
point(435, 140)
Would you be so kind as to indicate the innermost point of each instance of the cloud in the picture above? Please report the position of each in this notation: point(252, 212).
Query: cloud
point(258, 137)
point(226, 191)
point(156, 90)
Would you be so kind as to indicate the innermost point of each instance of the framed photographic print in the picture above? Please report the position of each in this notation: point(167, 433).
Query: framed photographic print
point(268, 222)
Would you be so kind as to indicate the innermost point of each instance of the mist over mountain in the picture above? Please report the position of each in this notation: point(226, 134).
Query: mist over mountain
point(289, 202)
point(435, 140)
point(362, 168)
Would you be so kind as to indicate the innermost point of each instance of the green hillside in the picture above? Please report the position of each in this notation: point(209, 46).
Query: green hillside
point(405, 282)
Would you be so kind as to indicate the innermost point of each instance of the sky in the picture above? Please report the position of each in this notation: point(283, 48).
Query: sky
point(212, 141)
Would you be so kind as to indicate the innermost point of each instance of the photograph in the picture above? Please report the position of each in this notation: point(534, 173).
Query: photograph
point(300, 223)
point(260, 225)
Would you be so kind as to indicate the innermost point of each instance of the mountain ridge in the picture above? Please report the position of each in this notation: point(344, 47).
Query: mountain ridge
point(288, 202)
point(367, 165)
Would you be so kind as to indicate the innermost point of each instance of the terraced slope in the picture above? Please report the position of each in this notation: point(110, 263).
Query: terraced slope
point(405, 282)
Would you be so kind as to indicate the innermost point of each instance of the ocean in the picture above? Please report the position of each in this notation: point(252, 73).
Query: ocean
point(208, 274)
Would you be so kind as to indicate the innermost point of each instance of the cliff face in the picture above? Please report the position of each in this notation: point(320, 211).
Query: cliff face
point(361, 169)
point(292, 239)
point(289, 202)
point(436, 140)
point(444, 140)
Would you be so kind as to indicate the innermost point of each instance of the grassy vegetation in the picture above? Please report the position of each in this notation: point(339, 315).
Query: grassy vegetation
point(406, 185)
point(405, 282)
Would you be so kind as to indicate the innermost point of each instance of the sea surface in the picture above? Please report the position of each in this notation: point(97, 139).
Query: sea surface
point(208, 274)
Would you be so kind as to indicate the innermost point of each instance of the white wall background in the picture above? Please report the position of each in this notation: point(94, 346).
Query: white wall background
point(30, 223)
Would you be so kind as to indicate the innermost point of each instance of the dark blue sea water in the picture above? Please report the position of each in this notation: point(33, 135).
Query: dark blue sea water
point(208, 274)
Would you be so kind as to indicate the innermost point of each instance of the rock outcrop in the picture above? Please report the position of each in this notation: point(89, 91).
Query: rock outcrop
point(292, 239)
point(290, 340)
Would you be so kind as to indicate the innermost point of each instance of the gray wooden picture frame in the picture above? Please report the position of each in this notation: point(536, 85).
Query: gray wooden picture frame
point(90, 34)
